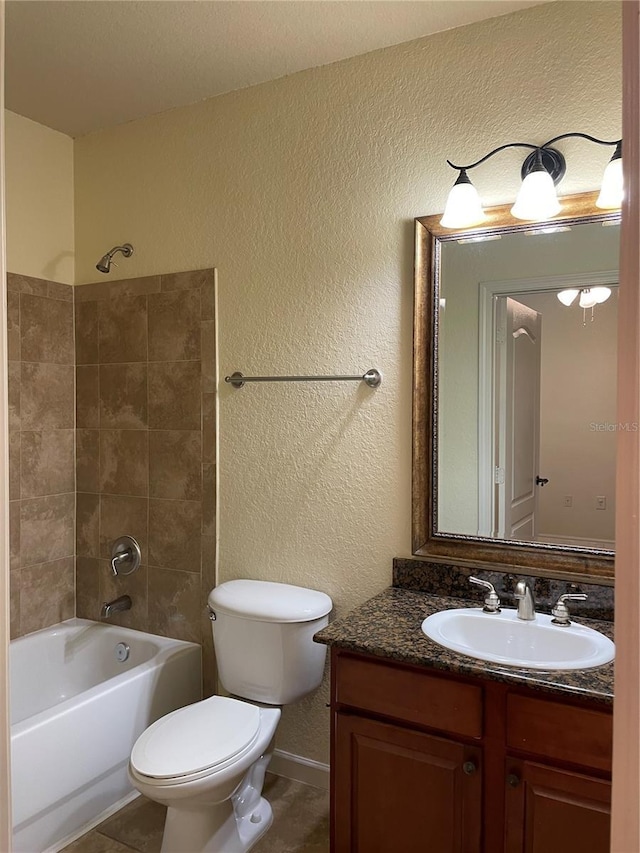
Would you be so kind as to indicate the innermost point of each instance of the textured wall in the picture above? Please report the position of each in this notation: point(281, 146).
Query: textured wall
point(145, 393)
point(39, 200)
point(302, 193)
point(41, 452)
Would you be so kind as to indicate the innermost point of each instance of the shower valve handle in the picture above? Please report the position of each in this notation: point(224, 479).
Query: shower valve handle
point(125, 551)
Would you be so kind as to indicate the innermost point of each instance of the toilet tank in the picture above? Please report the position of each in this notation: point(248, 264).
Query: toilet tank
point(263, 638)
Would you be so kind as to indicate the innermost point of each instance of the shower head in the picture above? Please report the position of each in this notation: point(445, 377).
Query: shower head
point(104, 264)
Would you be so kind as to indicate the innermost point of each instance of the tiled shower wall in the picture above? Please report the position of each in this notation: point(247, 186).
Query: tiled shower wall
point(41, 452)
point(145, 446)
point(145, 465)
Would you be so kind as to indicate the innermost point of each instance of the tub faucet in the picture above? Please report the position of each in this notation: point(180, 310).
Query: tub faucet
point(116, 606)
point(526, 605)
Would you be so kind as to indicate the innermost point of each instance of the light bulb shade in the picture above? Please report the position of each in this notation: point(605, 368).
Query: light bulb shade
point(587, 299)
point(463, 208)
point(537, 199)
point(612, 189)
point(601, 294)
point(568, 297)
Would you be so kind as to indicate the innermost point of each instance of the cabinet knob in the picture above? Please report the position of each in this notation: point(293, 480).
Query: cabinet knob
point(512, 780)
point(469, 767)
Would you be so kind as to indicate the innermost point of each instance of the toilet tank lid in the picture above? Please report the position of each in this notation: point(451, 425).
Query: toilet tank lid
point(267, 601)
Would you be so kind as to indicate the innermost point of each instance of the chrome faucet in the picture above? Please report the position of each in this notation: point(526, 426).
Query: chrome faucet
point(526, 604)
point(118, 605)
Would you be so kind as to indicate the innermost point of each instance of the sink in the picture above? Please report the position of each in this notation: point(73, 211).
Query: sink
point(505, 639)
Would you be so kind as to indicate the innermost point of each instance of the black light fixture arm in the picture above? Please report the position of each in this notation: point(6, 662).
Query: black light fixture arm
point(531, 147)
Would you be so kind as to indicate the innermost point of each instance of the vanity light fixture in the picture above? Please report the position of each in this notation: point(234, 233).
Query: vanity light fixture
point(541, 171)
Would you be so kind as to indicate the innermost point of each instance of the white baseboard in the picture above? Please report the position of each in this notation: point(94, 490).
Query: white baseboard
point(300, 769)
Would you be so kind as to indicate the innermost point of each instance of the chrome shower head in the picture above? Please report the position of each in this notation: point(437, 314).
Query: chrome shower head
point(104, 264)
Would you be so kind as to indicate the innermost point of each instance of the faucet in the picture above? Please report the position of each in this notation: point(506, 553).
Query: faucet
point(526, 604)
point(118, 605)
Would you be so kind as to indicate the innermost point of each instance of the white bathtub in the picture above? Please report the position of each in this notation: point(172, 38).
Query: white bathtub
point(76, 712)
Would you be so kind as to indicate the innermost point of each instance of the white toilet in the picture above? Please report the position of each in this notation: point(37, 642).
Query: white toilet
point(207, 761)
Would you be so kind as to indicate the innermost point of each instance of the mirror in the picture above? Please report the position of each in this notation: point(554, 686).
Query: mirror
point(514, 390)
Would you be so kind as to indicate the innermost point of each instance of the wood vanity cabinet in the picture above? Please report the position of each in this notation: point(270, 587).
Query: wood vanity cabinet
point(424, 761)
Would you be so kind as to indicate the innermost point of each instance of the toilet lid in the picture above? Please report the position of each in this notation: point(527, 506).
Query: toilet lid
point(196, 738)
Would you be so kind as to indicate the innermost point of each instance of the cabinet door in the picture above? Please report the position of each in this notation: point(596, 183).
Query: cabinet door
point(401, 791)
point(555, 811)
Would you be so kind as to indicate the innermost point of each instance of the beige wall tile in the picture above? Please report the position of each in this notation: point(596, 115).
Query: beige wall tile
point(47, 594)
point(14, 535)
point(88, 397)
point(186, 280)
point(14, 606)
point(47, 463)
point(87, 525)
point(208, 296)
point(174, 326)
point(108, 289)
point(174, 464)
point(209, 500)
point(208, 546)
point(122, 324)
point(13, 326)
point(13, 390)
point(208, 357)
point(123, 516)
point(208, 427)
point(46, 529)
point(86, 332)
point(123, 396)
point(14, 465)
point(88, 460)
point(47, 396)
point(88, 601)
point(27, 284)
point(177, 606)
point(124, 462)
point(174, 534)
point(174, 395)
point(46, 330)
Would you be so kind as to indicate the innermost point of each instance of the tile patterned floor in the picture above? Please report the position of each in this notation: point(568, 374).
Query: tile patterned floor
point(300, 825)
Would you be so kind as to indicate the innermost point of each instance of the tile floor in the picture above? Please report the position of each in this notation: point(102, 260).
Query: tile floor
point(301, 824)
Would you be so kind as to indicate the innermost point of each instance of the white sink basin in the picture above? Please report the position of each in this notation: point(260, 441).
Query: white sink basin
point(503, 638)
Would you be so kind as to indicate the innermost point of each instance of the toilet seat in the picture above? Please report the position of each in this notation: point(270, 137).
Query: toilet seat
point(195, 741)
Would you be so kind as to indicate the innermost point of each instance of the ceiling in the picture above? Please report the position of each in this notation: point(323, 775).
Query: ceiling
point(83, 65)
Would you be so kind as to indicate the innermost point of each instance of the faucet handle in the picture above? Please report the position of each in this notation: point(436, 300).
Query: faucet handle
point(561, 612)
point(491, 601)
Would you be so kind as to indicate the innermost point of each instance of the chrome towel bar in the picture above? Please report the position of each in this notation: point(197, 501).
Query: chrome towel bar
point(373, 378)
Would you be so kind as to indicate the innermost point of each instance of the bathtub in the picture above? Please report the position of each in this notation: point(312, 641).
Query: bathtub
point(76, 711)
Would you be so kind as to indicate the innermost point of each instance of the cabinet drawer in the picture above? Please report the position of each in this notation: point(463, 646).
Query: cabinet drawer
point(414, 697)
point(562, 732)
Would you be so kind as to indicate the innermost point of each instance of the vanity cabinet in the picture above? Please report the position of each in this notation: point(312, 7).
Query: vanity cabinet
point(424, 760)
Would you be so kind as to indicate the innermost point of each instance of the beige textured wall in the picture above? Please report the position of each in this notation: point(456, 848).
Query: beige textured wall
point(302, 192)
point(39, 200)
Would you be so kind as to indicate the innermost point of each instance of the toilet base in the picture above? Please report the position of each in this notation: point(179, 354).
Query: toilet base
point(215, 829)
point(231, 826)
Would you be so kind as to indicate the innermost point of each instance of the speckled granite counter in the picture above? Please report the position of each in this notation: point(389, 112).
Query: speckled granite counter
point(388, 626)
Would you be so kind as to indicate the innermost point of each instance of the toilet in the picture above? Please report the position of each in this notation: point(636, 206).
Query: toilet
point(206, 762)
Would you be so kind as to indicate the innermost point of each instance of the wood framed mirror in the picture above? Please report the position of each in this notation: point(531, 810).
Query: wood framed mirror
point(514, 391)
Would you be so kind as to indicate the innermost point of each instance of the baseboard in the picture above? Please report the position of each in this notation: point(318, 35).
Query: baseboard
point(300, 769)
point(576, 541)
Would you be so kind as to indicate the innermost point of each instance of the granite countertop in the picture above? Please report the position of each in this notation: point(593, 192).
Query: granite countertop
point(388, 626)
